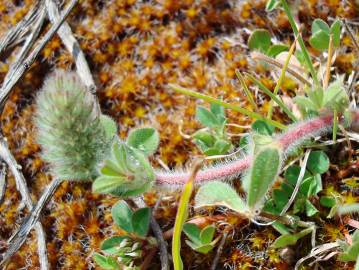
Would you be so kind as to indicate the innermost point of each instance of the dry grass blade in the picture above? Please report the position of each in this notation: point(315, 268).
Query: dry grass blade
point(16, 75)
point(316, 251)
point(271, 61)
point(72, 46)
point(18, 238)
point(355, 42)
point(299, 182)
point(329, 63)
point(29, 42)
point(16, 34)
point(3, 181)
point(6, 155)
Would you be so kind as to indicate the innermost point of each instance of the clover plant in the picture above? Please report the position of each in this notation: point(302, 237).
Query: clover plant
point(200, 240)
point(212, 140)
point(121, 252)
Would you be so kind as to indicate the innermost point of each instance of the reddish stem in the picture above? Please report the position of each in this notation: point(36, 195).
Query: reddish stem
point(292, 138)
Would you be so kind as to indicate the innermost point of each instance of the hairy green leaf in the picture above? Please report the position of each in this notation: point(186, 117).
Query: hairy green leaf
point(144, 139)
point(219, 194)
point(262, 174)
point(259, 40)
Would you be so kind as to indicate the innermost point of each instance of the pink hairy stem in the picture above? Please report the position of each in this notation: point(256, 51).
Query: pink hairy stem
point(291, 138)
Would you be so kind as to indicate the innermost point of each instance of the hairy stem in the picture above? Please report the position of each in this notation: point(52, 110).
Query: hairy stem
point(292, 138)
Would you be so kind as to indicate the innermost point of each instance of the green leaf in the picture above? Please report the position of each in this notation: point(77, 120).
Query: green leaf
point(319, 25)
point(335, 97)
point(310, 209)
point(236, 108)
point(211, 152)
point(106, 263)
point(107, 184)
point(206, 118)
point(204, 249)
point(218, 112)
point(219, 194)
point(351, 254)
point(222, 146)
point(290, 239)
point(127, 172)
point(263, 128)
point(272, 5)
point(327, 201)
point(111, 246)
point(109, 126)
point(259, 40)
point(205, 137)
point(305, 104)
point(264, 170)
point(193, 233)
point(207, 234)
point(318, 184)
point(320, 40)
point(281, 198)
point(281, 228)
point(292, 174)
point(144, 139)
point(244, 142)
point(276, 49)
point(122, 216)
point(318, 162)
point(316, 95)
point(141, 221)
point(335, 31)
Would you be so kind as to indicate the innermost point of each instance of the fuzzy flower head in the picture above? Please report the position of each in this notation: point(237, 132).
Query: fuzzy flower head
point(72, 134)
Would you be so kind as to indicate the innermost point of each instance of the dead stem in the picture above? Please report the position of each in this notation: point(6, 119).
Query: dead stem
point(157, 233)
point(299, 182)
point(20, 181)
point(3, 181)
point(329, 63)
point(17, 33)
point(219, 250)
point(16, 71)
point(21, 69)
point(272, 61)
point(355, 42)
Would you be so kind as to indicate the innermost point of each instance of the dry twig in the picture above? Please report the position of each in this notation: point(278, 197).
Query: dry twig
point(72, 46)
point(158, 235)
point(21, 64)
point(16, 74)
point(17, 33)
point(6, 155)
point(262, 57)
point(3, 181)
point(219, 250)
